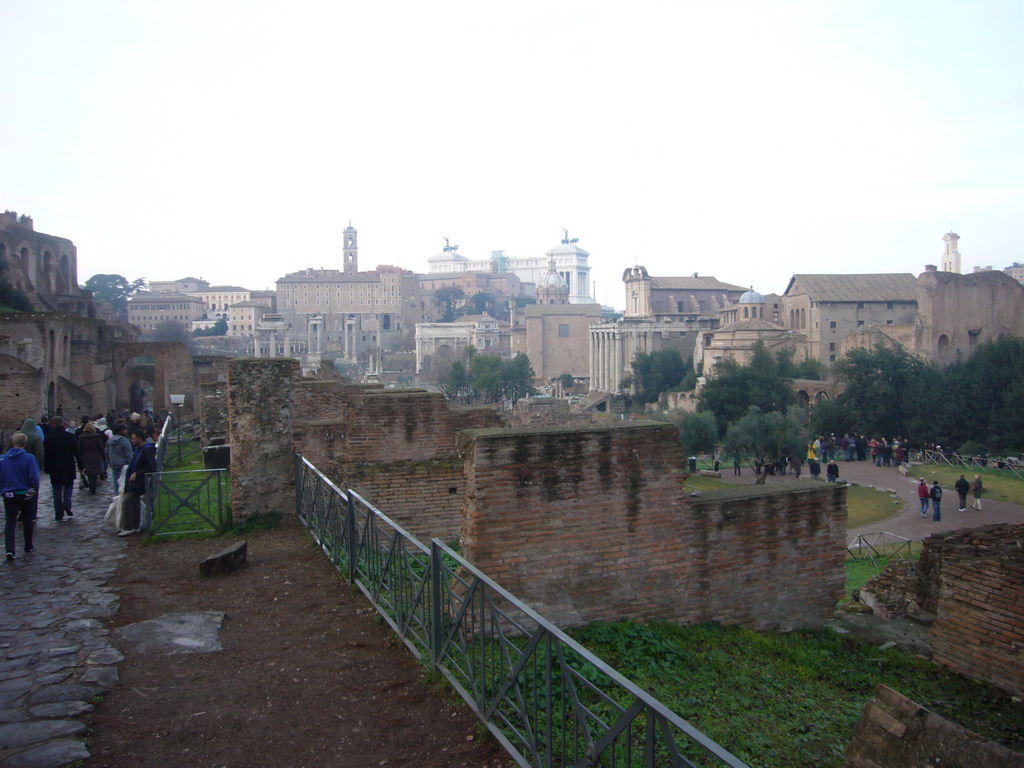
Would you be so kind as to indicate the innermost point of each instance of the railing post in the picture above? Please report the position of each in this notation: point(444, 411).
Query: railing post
point(298, 485)
point(350, 537)
point(435, 602)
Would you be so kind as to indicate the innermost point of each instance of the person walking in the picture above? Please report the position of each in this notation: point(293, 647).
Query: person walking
point(962, 487)
point(19, 484)
point(61, 463)
point(936, 496)
point(923, 496)
point(34, 435)
point(143, 462)
point(91, 450)
point(119, 455)
point(976, 490)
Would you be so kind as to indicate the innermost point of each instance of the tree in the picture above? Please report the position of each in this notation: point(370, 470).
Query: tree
point(657, 372)
point(456, 386)
point(698, 432)
point(448, 298)
point(734, 388)
point(169, 330)
point(566, 381)
point(518, 377)
point(884, 387)
point(114, 289)
point(767, 435)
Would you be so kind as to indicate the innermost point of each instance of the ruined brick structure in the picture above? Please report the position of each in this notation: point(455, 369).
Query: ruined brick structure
point(895, 732)
point(591, 522)
point(973, 581)
point(583, 522)
point(395, 447)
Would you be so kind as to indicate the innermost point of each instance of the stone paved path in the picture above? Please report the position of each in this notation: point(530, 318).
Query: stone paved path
point(54, 653)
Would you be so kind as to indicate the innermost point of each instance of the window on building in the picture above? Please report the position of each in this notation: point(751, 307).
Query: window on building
point(888, 322)
point(563, 330)
point(888, 305)
point(831, 358)
point(832, 324)
point(860, 323)
point(831, 346)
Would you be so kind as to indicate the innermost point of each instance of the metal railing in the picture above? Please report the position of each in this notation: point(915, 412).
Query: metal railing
point(990, 464)
point(879, 545)
point(189, 502)
point(544, 697)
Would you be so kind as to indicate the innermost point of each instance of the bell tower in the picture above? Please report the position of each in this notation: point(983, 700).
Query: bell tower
point(951, 258)
point(351, 249)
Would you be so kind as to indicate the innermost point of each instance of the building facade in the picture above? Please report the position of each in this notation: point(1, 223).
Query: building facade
point(571, 262)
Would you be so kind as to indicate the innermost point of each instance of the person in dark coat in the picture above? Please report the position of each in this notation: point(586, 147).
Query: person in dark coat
point(61, 464)
point(962, 487)
point(91, 453)
point(32, 433)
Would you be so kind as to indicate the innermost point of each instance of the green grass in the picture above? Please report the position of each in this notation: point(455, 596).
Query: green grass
point(861, 570)
point(863, 505)
point(788, 699)
point(866, 505)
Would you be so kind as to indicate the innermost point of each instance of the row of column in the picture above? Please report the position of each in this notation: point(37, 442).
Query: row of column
point(607, 359)
point(271, 345)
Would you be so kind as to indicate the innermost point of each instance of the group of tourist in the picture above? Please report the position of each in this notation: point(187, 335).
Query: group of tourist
point(882, 452)
point(934, 495)
point(87, 454)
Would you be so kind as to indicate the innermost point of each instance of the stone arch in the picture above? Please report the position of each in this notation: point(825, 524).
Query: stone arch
point(943, 349)
point(166, 365)
point(26, 263)
point(803, 399)
point(48, 271)
point(821, 397)
point(64, 275)
point(140, 396)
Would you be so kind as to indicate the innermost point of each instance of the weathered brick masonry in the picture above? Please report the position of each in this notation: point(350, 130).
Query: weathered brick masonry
point(395, 447)
point(975, 586)
point(591, 522)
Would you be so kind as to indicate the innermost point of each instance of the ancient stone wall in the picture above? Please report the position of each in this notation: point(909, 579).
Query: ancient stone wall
point(895, 732)
point(260, 420)
point(590, 522)
point(974, 581)
point(394, 447)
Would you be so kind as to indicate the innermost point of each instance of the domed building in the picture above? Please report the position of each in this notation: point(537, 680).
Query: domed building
point(743, 325)
point(551, 288)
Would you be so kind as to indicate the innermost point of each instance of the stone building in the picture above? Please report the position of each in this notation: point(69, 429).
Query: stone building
point(363, 312)
point(43, 267)
point(743, 326)
point(828, 308)
point(554, 333)
point(182, 285)
point(243, 317)
point(217, 299)
point(661, 312)
point(147, 310)
point(438, 345)
point(571, 262)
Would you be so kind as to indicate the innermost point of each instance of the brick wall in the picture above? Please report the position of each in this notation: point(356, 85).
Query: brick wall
point(976, 589)
point(260, 417)
point(895, 732)
point(591, 522)
point(396, 448)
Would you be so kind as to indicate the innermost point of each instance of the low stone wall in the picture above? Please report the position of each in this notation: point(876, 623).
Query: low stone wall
point(895, 732)
point(979, 602)
point(590, 522)
point(972, 580)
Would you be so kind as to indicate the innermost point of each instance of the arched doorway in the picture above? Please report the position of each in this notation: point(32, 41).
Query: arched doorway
point(140, 395)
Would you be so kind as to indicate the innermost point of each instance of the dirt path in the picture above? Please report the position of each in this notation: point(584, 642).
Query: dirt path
point(308, 676)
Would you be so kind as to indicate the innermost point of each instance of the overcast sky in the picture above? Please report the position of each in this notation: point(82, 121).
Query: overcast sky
point(234, 141)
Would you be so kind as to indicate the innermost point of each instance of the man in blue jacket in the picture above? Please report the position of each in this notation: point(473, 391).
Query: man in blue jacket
point(19, 484)
point(143, 462)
